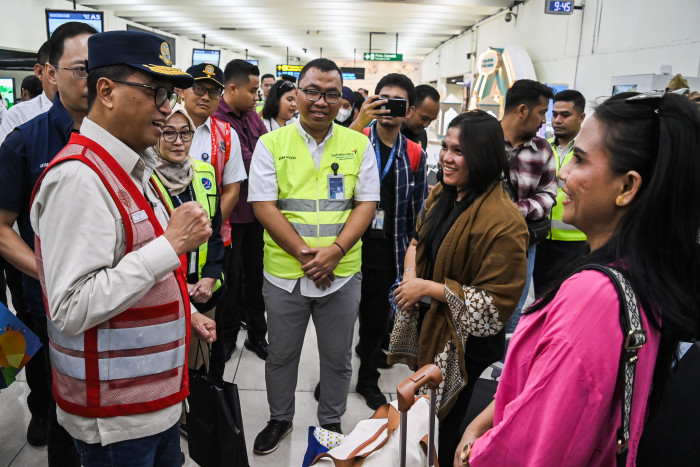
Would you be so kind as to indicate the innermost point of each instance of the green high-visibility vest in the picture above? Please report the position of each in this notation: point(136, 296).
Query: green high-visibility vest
point(303, 195)
point(205, 191)
point(561, 230)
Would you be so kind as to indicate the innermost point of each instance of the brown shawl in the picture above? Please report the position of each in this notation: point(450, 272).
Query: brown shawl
point(482, 262)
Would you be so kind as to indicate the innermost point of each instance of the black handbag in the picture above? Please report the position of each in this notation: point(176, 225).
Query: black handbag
point(539, 228)
point(214, 422)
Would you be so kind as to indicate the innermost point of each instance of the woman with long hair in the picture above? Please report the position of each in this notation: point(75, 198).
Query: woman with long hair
point(632, 188)
point(281, 105)
point(464, 270)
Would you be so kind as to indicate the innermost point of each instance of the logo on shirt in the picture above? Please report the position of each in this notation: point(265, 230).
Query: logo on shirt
point(345, 155)
point(207, 183)
point(205, 157)
point(291, 158)
point(222, 145)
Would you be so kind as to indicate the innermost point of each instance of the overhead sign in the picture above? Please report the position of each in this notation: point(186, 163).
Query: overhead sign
point(383, 57)
point(352, 73)
point(288, 68)
point(488, 62)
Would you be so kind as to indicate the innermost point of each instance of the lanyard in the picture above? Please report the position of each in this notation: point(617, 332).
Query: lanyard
point(377, 152)
point(179, 201)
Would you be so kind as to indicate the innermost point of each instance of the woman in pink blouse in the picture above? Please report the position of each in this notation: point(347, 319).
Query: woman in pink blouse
point(632, 187)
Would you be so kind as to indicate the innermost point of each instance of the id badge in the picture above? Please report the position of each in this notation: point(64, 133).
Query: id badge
point(378, 221)
point(336, 187)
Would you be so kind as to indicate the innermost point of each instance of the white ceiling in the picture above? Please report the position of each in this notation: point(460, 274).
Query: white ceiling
point(340, 27)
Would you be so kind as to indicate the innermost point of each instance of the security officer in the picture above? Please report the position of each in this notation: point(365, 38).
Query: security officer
point(312, 252)
point(564, 240)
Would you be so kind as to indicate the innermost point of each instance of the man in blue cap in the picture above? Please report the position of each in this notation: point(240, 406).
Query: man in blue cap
point(109, 259)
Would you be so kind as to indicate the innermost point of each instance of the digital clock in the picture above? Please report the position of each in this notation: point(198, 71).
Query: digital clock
point(558, 8)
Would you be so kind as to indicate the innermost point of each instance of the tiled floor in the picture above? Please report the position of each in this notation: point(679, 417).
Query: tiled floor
point(248, 372)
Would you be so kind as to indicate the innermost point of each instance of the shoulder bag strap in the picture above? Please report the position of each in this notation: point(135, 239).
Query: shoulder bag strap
point(634, 337)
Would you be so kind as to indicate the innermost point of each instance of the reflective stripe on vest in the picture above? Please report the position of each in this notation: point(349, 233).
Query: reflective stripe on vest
point(134, 362)
point(204, 175)
point(561, 230)
point(303, 195)
point(221, 138)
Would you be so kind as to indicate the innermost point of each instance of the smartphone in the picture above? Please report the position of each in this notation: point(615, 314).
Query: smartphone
point(396, 106)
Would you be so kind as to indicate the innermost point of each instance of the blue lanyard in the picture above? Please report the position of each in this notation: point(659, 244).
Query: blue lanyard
point(377, 152)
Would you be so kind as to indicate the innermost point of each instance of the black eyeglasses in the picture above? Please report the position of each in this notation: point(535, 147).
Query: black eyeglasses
point(314, 95)
point(170, 136)
point(161, 95)
point(214, 93)
point(79, 72)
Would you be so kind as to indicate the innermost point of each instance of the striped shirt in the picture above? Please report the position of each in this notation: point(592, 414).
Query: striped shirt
point(533, 176)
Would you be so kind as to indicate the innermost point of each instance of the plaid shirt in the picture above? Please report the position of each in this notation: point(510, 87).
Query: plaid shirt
point(533, 176)
point(411, 189)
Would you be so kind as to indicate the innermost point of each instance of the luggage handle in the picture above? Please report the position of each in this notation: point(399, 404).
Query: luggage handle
point(430, 376)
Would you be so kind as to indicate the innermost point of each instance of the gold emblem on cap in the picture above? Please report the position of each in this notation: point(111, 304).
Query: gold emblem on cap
point(165, 54)
point(209, 70)
point(165, 70)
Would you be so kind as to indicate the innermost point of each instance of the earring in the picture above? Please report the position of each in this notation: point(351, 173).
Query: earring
point(620, 199)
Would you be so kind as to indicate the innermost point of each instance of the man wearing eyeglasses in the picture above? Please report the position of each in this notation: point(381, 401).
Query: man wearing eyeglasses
point(110, 256)
point(23, 157)
point(314, 186)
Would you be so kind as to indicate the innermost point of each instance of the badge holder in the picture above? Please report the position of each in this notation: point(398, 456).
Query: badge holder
point(336, 184)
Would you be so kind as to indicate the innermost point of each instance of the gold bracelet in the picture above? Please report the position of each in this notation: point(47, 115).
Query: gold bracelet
point(466, 455)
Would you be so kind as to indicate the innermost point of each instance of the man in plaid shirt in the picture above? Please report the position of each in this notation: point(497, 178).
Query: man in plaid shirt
point(532, 169)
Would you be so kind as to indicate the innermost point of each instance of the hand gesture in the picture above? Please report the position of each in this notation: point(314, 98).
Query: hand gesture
point(189, 227)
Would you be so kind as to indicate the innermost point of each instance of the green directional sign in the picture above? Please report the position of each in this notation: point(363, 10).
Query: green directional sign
point(383, 57)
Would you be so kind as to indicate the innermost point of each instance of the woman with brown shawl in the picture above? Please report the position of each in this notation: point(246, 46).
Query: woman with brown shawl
point(467, 259)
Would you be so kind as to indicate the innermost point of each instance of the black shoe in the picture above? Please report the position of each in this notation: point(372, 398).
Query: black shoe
point(183, 430)
point(269, 438)
point(317, 392)
point(373, 396)
point(244, 325)
point(37, 431)
point(259, 347)
point(229, 347)
point(335, 427)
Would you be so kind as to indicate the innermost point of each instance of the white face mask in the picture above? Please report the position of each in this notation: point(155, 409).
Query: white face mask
point(343, 114)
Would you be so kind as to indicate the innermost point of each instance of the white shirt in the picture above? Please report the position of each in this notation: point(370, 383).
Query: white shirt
point(22, 113)
point(263, 187)
point(271, 124)
point(234, 170)
point(88, 277)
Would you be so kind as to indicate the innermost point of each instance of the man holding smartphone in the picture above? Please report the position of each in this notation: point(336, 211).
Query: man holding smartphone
point(403, 188)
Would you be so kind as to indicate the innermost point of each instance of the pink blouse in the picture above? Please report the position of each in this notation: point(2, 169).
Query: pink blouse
point(556, 403)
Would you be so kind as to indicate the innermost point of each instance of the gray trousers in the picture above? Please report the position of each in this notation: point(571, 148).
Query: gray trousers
point(287, 319)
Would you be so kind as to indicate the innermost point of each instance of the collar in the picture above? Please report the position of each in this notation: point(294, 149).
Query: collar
point(530, 143)
point(310, 139)
point(60, 116)
point(207, 124)
point(123, 154)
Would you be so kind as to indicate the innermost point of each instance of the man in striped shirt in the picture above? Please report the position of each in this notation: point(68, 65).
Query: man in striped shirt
point(533, 181)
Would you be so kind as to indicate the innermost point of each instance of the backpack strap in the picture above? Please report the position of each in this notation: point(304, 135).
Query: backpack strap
point(415, 151)
point(634, 337)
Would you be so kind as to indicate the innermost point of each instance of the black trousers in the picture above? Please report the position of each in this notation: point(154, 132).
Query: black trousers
point(244, 301)
point(551, 254)
point(480, 352)
point(60, 447)
point(374, 319)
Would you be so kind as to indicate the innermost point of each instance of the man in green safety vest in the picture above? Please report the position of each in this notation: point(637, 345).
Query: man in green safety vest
point(564, 239)
point(314, 187)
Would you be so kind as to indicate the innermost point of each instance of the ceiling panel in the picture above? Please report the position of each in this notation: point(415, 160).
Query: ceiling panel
point(340, 27)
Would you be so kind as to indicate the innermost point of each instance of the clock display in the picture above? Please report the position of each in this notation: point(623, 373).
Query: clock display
point(558, 7)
